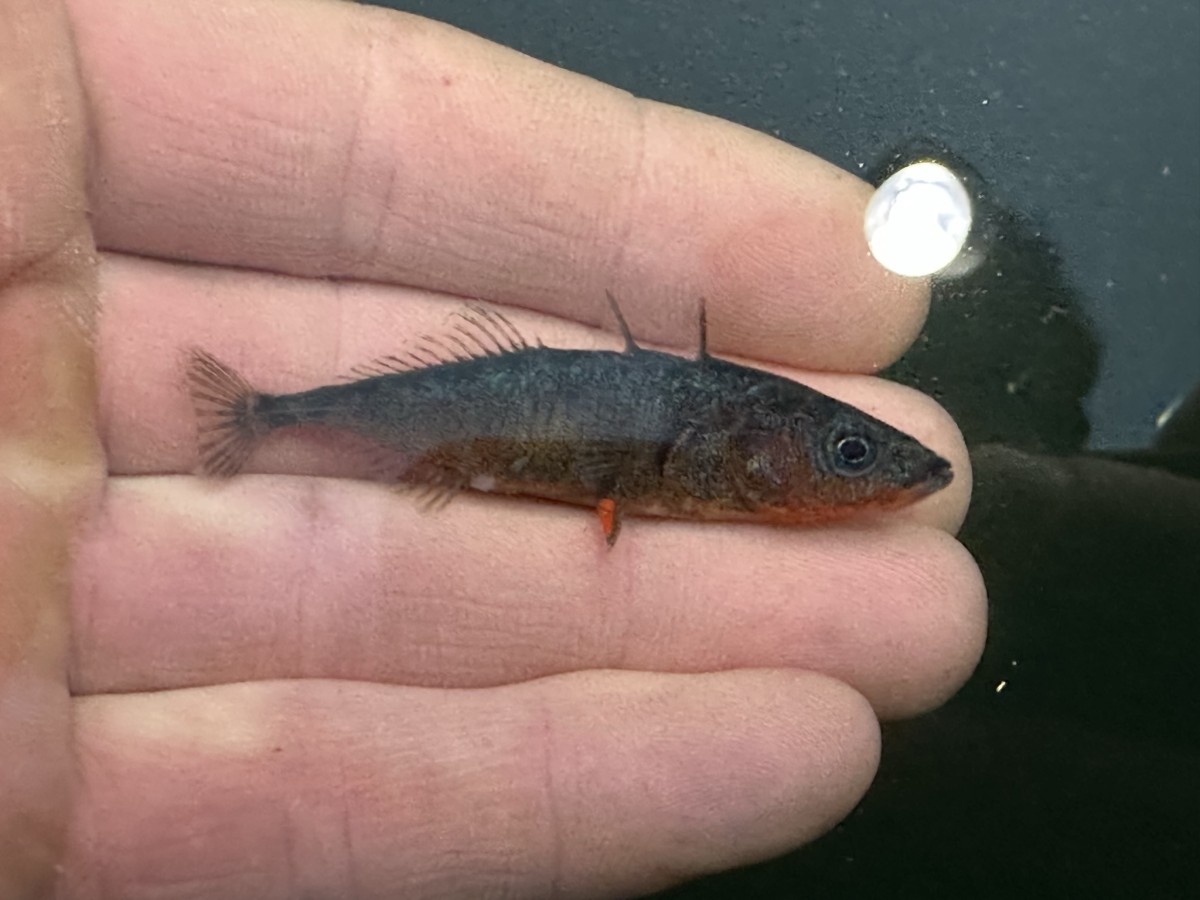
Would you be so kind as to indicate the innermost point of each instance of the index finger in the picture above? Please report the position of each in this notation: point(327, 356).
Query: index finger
point(325, 139)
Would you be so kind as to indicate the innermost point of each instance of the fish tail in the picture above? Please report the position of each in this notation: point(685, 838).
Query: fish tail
point(229, 418)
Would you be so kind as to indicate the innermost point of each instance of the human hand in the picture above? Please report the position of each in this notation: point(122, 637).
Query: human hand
point(287, 685)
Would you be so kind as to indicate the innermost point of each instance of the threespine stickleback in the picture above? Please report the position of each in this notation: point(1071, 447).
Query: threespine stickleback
point(634, 432)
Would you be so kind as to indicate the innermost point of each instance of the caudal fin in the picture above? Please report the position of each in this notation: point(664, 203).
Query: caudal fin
point(228, 423)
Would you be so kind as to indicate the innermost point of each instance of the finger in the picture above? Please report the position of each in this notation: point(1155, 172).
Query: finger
point(325, 139)
point(184, 584)
point(49, 457)
point(292, 334)
point(593, 785)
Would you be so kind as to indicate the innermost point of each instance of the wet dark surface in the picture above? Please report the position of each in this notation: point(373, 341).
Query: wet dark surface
point(1071, 761)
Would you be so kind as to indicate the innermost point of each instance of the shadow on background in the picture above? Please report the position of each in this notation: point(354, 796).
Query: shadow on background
point(1069, 765)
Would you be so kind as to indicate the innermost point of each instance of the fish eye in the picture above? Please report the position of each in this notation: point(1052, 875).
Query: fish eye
point(853, 454)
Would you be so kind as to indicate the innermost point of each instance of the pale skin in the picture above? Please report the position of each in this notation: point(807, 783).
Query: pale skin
point(297, 683)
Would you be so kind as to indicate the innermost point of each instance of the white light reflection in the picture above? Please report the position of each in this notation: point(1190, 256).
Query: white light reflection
point(918, 220)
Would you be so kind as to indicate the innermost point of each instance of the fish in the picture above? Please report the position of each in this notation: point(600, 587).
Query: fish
point(625, 432)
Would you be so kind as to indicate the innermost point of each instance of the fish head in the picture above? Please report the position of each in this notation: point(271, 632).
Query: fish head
point(823, 459)
point(852, 460)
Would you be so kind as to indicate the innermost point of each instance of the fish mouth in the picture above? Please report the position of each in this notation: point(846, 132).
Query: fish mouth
point(937, 475)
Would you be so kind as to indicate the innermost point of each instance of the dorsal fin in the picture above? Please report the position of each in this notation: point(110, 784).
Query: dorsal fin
point(479, 332)
point(631, 345)
point(502, 327)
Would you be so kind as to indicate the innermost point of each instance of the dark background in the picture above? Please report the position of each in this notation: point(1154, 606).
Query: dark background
point(1084, 116)
point(1077, 125)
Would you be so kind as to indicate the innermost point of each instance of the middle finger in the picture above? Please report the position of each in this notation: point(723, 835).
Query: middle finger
point(183, 583)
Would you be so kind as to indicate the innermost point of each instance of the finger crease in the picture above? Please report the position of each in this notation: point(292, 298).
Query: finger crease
point(629, 203)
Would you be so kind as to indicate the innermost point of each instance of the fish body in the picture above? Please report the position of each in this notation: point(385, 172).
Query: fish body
point(634, 432)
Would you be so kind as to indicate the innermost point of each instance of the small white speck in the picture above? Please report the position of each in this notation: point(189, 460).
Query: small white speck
point(1001, 686)
point(483, 483)
point(1052, 313)
point(983, 102)
point(1166, 170)
point(1165, 416)
point(1109, 283)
